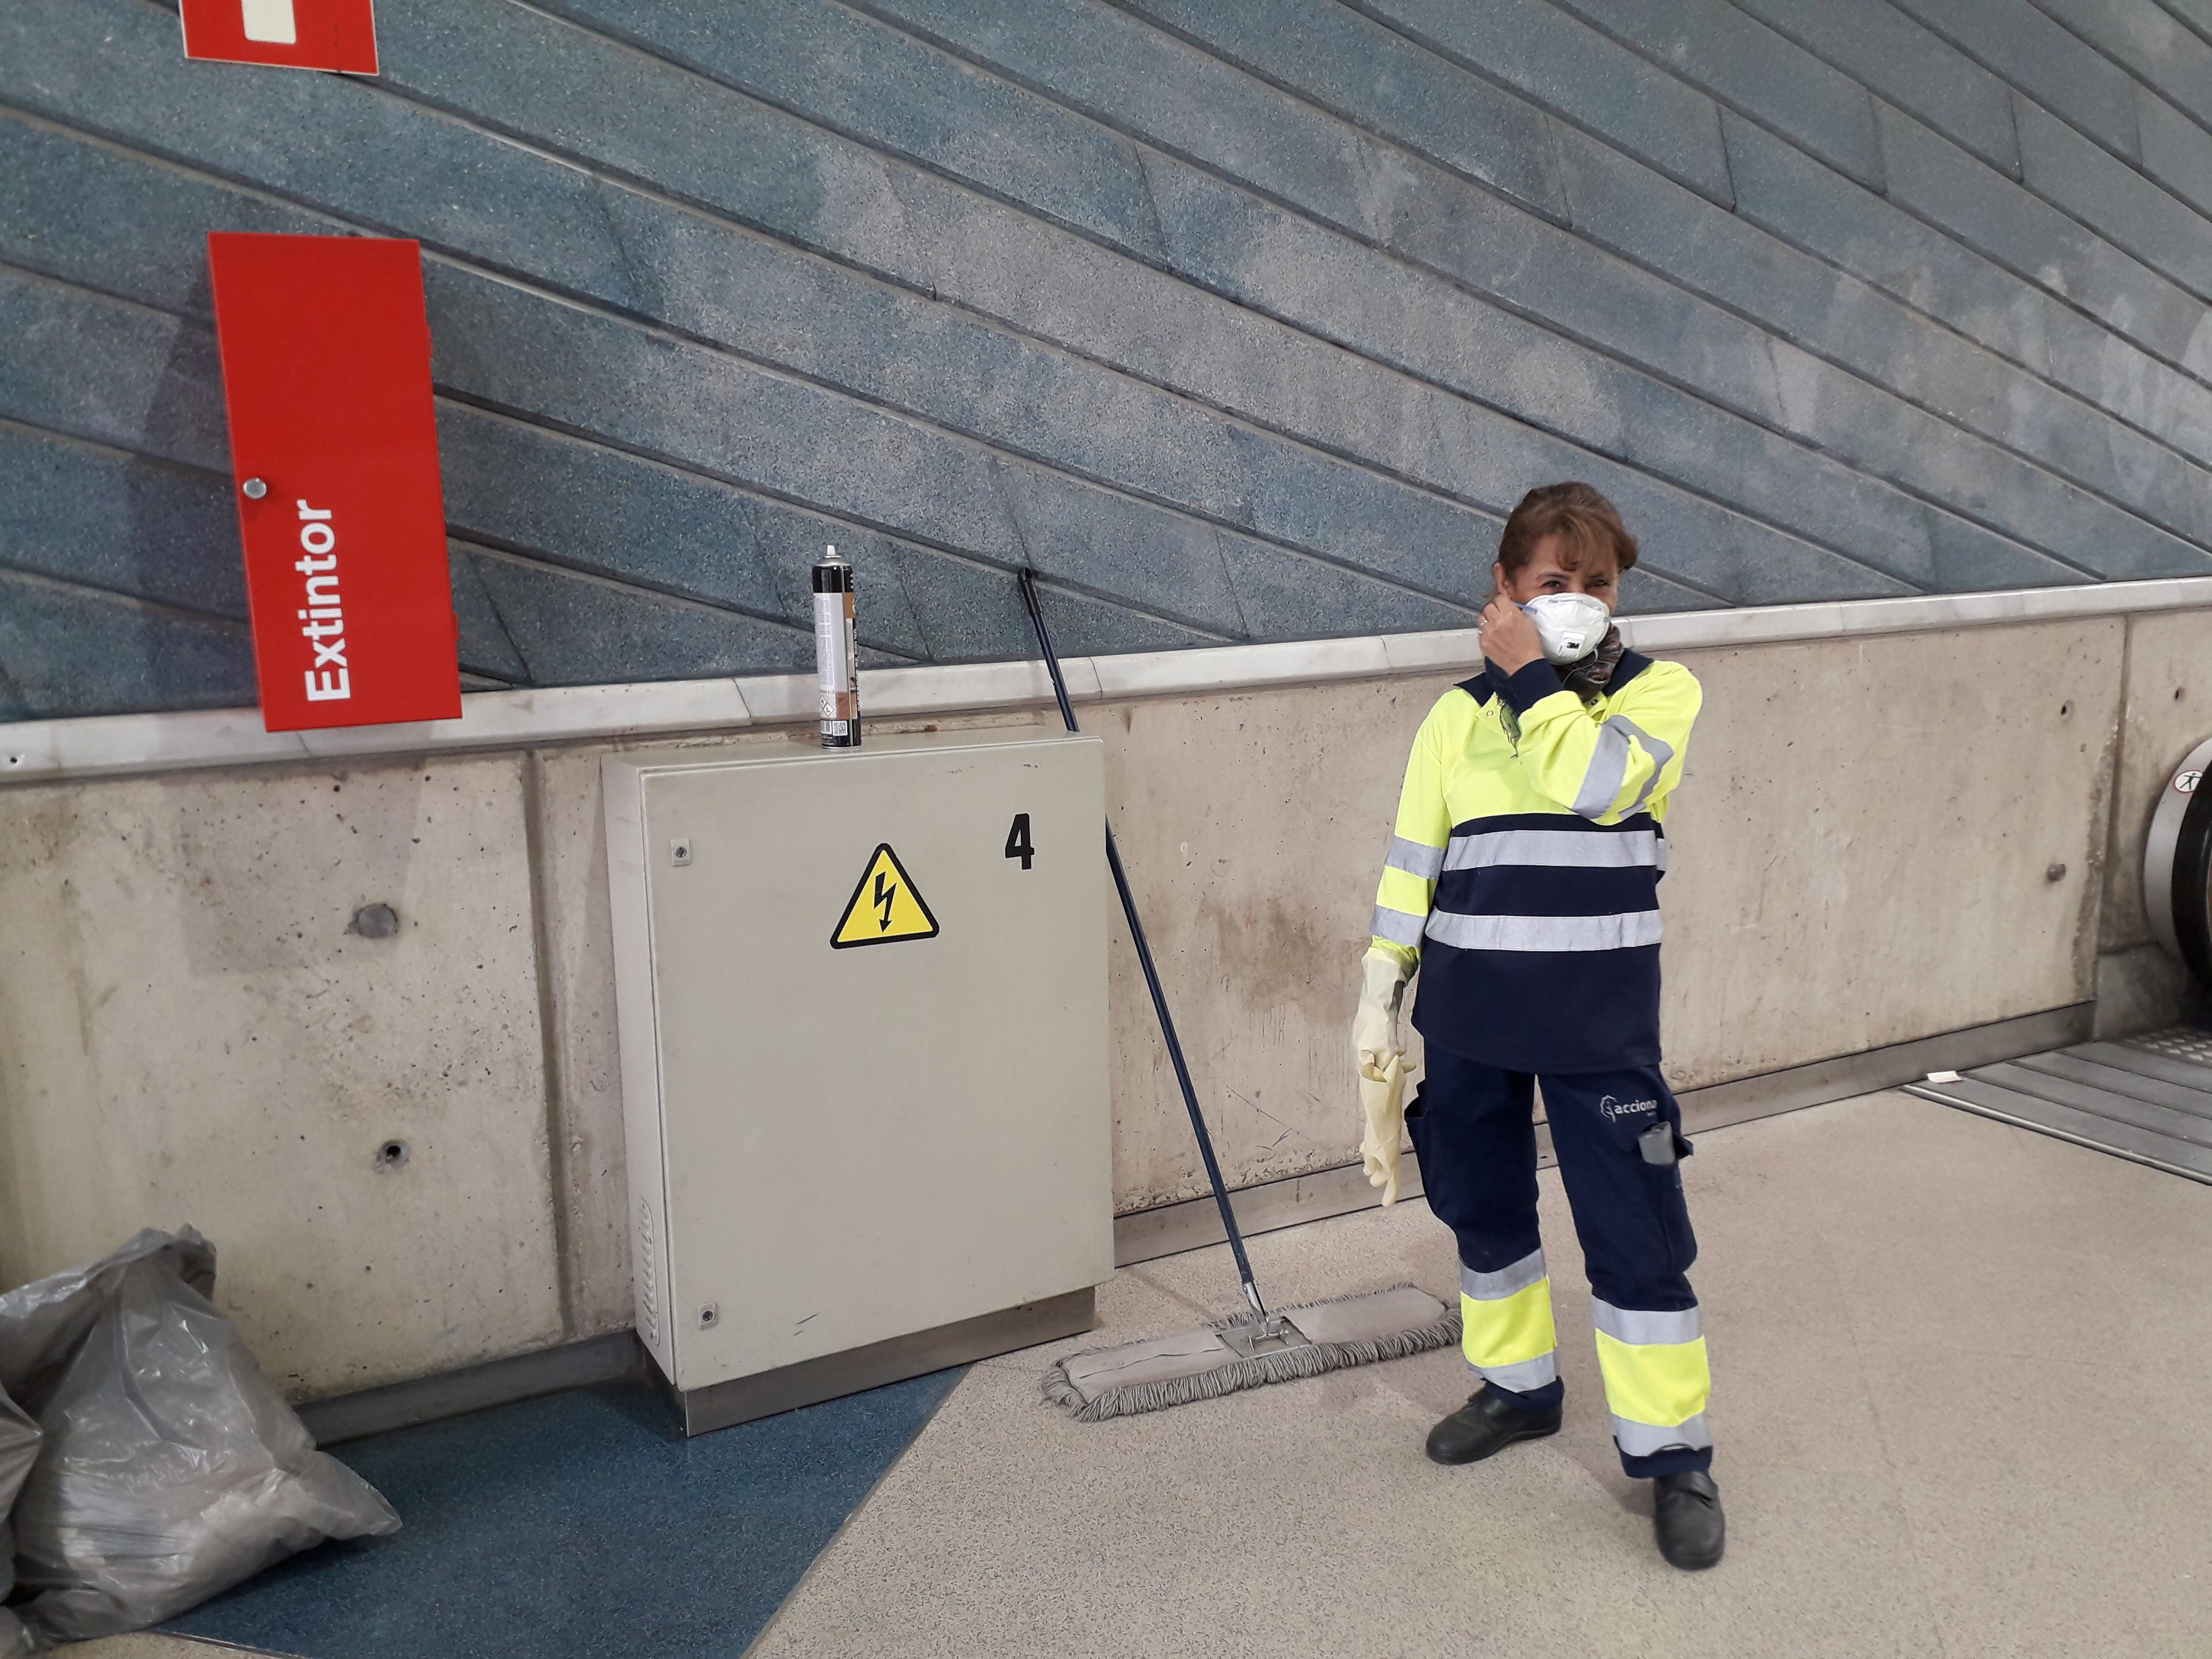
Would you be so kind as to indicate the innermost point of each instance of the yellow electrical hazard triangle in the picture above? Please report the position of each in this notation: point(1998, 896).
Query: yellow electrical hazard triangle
point(884, 906)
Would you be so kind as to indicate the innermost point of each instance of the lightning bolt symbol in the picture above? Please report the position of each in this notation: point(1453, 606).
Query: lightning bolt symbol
point(886, 890)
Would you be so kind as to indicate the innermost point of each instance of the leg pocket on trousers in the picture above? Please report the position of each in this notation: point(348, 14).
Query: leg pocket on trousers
point(1674, 1208)
point(1627, 1132)
point(1672, 1203)
point(1417, 1122)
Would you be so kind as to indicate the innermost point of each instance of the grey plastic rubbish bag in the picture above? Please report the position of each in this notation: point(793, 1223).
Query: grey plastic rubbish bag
point(170, 1469)
point(19, 1448)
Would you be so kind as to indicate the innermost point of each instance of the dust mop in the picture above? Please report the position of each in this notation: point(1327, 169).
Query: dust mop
point(1255, 1346)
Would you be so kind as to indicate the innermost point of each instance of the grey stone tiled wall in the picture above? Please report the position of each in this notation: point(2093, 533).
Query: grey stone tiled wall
point(1239, 319)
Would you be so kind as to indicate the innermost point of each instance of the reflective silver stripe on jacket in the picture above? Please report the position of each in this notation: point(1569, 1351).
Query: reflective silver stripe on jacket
point(1614, 933)
point(1506, 1281)
point(1526, 1377)
point(1415, 859)
point(1559, 849)
point(1642, 1326)
point(1608, 767)
point(1642, 1439)
point(1399, 926)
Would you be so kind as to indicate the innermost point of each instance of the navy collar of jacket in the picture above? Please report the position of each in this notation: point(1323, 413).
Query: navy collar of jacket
point(1631, 664)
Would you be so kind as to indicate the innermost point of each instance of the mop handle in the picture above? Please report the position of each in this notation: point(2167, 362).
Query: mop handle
point(1151, 974)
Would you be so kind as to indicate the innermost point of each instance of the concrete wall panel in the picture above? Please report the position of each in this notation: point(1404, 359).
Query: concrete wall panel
point(1861, 847)
point(189, 1033)
point(2142, 988)
point(1254, 828)
point(584, 1060)
point(2169, 712)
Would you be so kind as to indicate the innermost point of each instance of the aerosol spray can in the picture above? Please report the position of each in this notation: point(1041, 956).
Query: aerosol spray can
point(836, 665)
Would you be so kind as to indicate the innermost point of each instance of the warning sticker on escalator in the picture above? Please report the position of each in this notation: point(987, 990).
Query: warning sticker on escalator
point(884, 906)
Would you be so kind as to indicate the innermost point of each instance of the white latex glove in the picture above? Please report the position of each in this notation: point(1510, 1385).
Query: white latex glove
point(1380, 1056)
point(1383, 1100)
point(1375, 1027)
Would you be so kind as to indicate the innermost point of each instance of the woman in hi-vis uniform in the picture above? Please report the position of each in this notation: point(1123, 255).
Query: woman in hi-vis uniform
point(1522, 883)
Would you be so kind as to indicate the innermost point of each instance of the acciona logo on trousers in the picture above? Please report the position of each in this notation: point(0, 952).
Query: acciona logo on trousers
point(1613, 1110)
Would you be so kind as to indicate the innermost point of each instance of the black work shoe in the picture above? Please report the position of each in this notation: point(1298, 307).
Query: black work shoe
point(1686, 1514)
point(1487, 1424)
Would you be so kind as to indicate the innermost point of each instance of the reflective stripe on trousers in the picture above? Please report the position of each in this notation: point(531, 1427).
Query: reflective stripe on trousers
point(1654, 1364)
point(1506, 1324)
point(1656, 1380)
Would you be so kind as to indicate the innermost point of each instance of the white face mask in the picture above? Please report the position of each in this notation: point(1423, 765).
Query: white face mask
point(1569, 625)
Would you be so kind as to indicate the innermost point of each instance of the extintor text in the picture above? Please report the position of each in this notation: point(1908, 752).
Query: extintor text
point(323, 621)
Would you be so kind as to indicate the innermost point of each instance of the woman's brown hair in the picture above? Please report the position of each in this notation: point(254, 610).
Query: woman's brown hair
point(1584, 520)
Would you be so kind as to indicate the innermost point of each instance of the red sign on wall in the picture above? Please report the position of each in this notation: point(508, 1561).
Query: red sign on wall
point(326, 374)
point(320, 34)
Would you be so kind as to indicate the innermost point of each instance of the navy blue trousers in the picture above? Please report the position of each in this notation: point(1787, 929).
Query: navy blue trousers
point(1618, 1135)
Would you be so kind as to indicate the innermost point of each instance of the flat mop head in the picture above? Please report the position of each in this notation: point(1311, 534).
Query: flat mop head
point(1248, 1352)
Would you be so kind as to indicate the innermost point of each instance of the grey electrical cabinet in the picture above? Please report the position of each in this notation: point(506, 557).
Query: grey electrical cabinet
point(861, 997)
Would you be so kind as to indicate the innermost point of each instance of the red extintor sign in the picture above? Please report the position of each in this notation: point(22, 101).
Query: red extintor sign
point(318, 34)
point(326, 376)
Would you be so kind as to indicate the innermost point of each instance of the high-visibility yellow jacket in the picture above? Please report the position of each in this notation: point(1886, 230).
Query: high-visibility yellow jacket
point(1523, 880)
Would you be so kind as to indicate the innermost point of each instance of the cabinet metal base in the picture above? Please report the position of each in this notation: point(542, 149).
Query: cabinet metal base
point(743, 1399)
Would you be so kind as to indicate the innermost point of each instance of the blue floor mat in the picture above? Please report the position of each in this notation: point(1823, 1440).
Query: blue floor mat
point(581, 1524)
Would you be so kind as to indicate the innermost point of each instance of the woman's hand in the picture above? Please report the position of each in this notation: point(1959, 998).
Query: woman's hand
point(1509, 638)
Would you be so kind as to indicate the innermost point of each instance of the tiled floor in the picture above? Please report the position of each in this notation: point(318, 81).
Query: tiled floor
point(1958, 1382)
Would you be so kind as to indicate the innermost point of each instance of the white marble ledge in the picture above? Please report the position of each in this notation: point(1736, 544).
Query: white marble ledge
point(108, 745)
